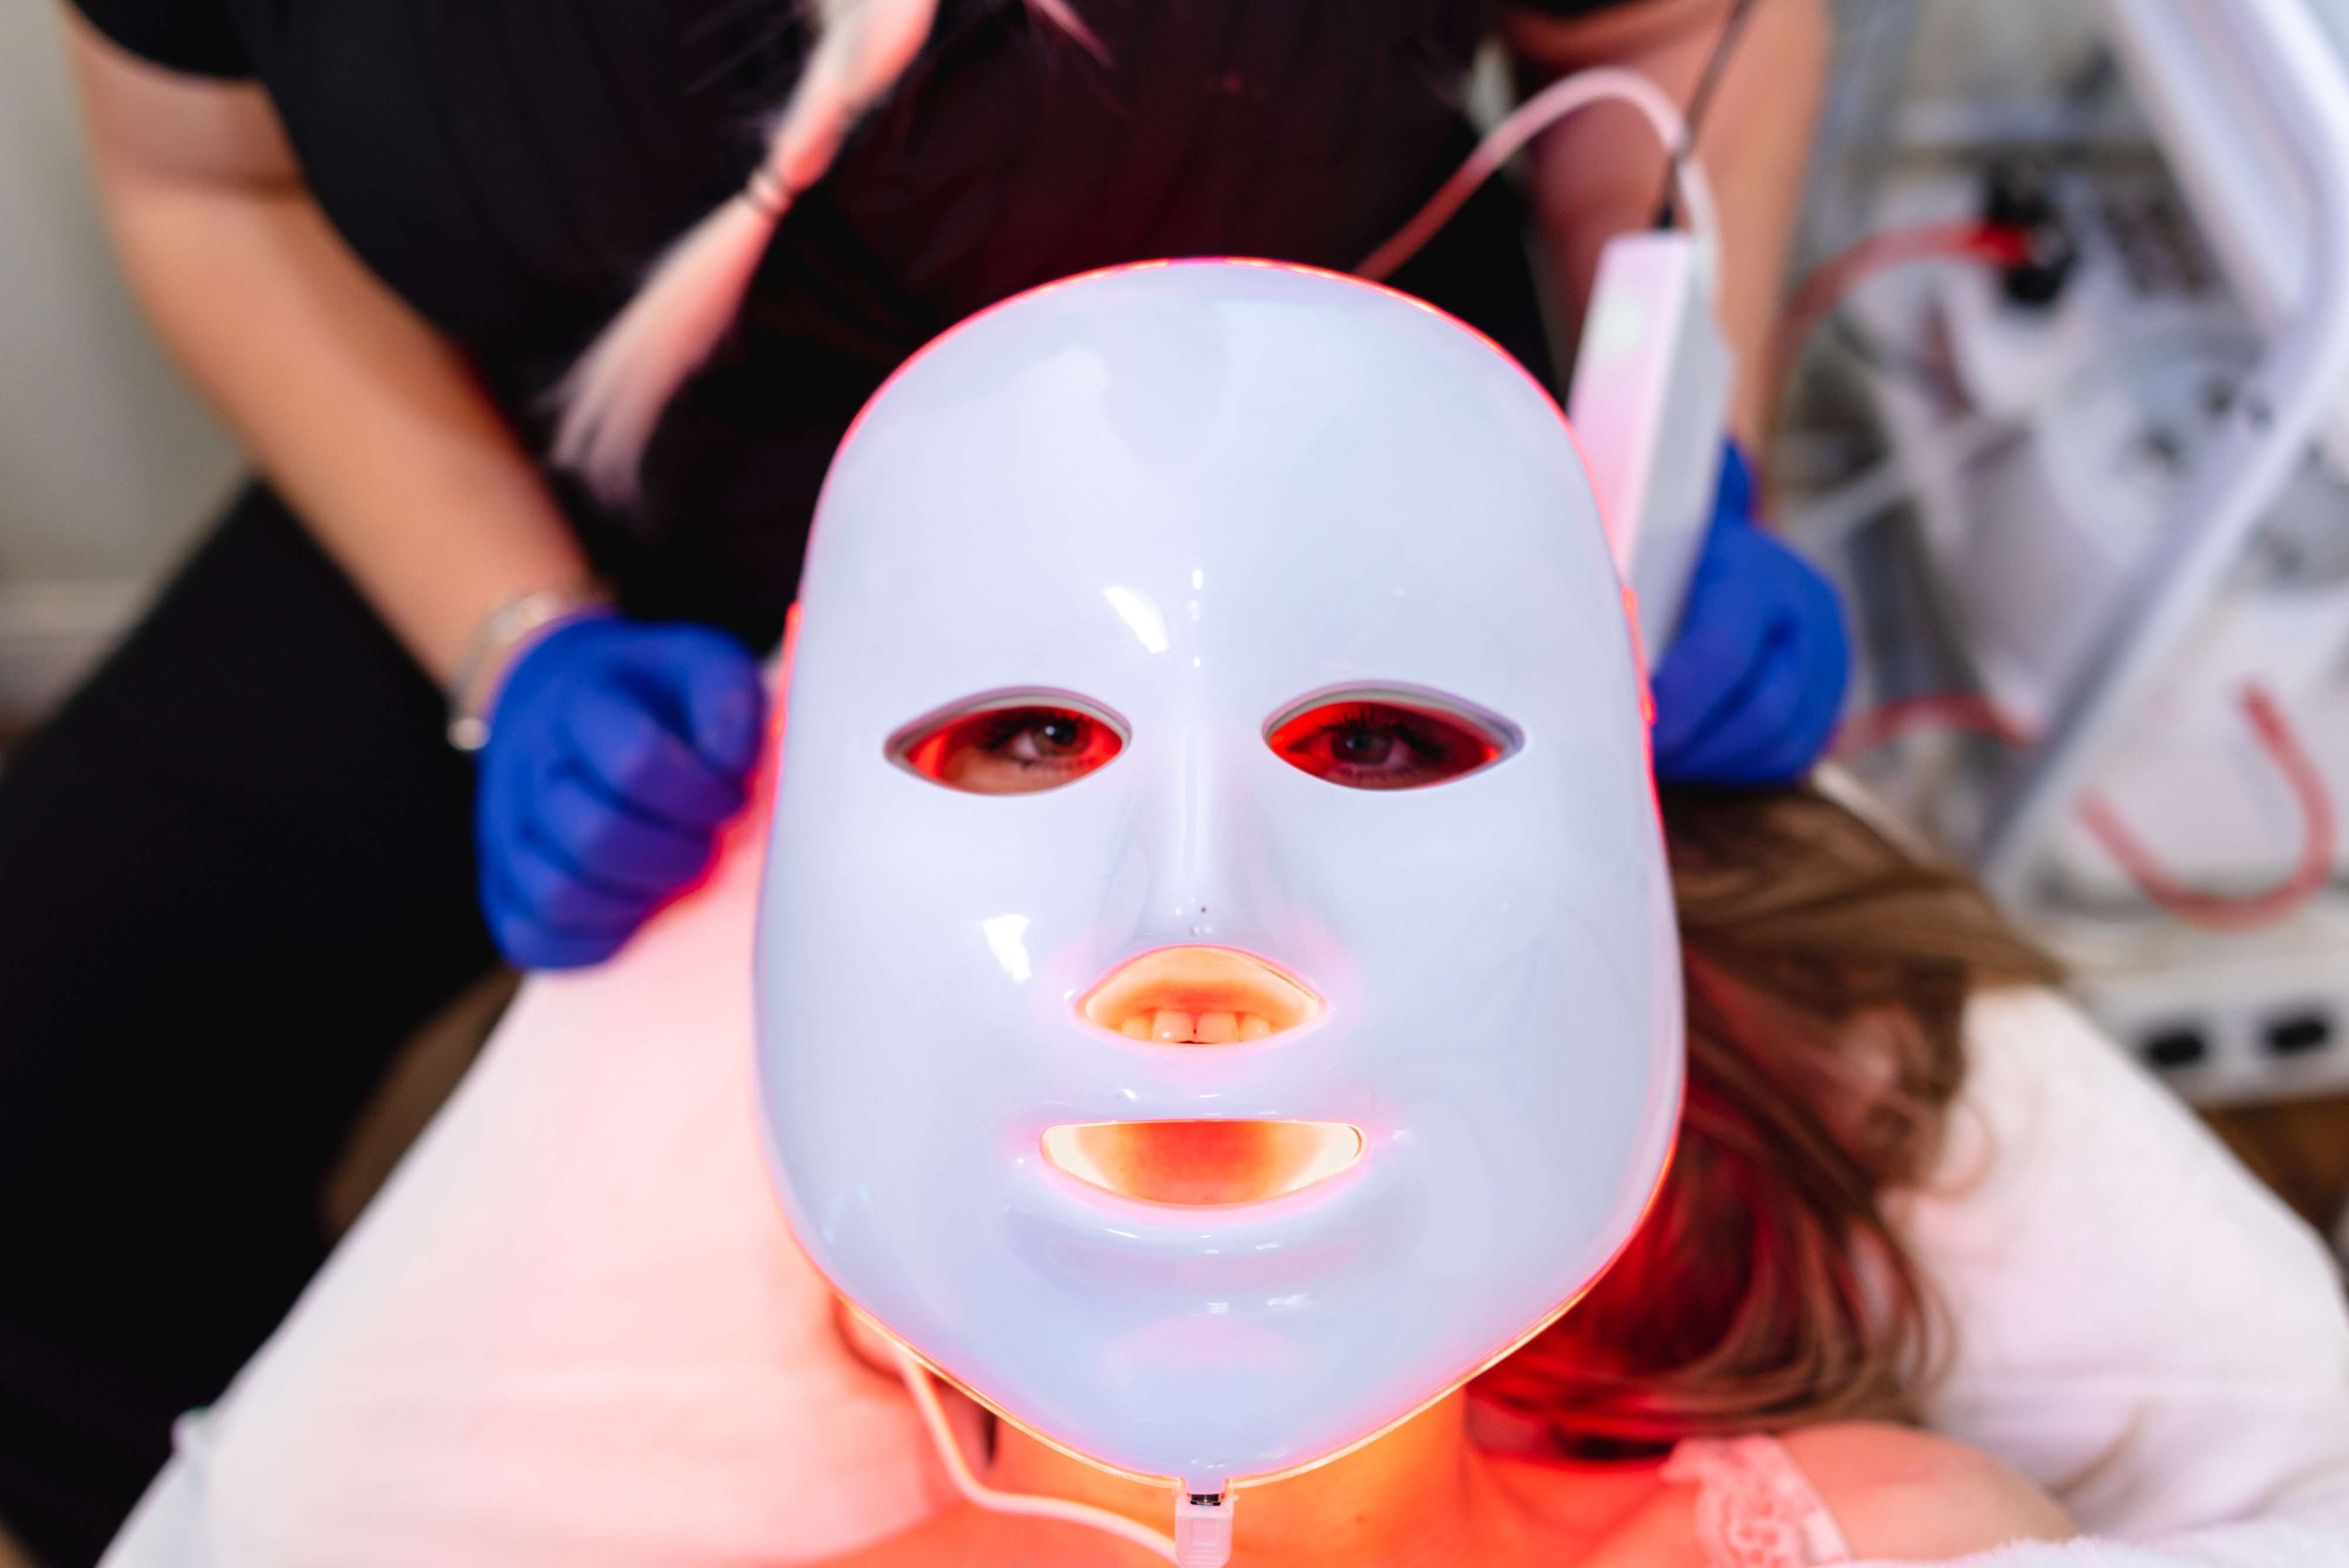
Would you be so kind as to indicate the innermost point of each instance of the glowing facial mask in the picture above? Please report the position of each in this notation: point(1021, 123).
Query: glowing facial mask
point(1216, 984)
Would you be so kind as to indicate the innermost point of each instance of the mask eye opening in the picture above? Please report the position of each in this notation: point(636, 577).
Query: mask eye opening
point(917, 747)
point(1469, 739)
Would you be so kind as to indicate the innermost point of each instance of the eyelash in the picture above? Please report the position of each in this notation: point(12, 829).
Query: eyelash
point(1423, 740)
point(1000, 730)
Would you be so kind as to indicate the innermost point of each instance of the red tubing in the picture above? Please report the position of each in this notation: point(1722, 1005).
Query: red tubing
point(1934, 710)
point(2243, 911)
point(2211, 911)
point(1820, 293)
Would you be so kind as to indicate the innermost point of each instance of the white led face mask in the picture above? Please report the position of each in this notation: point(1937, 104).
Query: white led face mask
point(1217, 982)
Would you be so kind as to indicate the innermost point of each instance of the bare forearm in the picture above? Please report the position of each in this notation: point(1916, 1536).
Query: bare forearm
point(364, 417)
point(370, 426)
point(1599, 173)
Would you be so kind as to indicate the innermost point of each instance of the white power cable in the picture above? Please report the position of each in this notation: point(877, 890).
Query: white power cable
point(1604, 84)
point(933, 1416)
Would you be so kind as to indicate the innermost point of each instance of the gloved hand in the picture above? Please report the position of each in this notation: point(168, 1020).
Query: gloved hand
point(1749, 690)
point(615, 751)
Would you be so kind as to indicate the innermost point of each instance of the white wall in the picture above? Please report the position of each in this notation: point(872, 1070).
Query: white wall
point(108, 465)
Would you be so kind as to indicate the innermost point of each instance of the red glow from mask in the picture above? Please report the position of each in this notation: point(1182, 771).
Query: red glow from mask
point(1010, 749)
point(1376, 744)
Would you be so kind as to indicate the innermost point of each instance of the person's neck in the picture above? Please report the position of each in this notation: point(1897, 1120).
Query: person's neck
point(1420, 1495)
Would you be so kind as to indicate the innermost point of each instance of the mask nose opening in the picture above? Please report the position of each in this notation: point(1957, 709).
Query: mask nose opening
point(1203, 1164)
point(1199, 996)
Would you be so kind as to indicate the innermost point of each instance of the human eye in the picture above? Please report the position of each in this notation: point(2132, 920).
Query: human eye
point(1020, 744)
point(1386, 740)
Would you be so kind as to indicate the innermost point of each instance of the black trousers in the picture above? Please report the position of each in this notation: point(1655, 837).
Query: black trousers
point(236, 871)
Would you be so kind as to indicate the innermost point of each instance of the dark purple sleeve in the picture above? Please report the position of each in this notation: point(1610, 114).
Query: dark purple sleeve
point(195, 37)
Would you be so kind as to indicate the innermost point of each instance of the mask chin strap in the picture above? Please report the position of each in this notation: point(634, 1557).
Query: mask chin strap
point(1202, 1520)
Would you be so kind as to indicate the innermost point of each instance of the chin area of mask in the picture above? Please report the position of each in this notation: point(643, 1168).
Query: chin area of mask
point(1202, 1520)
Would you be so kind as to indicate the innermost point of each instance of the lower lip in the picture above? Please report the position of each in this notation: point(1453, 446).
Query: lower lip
point(1203, 1164)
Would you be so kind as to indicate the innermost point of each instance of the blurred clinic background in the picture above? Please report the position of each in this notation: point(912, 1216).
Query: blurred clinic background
point(2047, 422)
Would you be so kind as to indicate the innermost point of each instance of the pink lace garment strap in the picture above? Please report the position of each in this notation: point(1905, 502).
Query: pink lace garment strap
point(1755, 1506)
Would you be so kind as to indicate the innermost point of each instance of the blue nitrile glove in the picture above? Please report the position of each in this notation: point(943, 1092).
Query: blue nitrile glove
point(1749, 690)
point(615, 750)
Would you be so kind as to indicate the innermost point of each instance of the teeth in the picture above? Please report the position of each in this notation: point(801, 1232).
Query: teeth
point(1198, 996)
point(1174, 1027)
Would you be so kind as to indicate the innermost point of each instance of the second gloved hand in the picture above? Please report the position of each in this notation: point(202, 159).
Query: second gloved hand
point(1749, 692)
point(615, 750)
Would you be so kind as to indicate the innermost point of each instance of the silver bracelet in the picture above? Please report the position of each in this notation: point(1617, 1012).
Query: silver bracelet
point(503, 637)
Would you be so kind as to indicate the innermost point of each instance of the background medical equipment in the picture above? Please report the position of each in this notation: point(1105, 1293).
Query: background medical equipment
point(2086, 483)
point(1177, 444)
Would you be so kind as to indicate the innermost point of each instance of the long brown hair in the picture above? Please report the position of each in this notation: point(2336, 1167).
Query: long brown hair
point(1825, 974)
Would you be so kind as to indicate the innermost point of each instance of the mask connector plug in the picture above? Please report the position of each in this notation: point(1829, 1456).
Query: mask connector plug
point(1203, 1529)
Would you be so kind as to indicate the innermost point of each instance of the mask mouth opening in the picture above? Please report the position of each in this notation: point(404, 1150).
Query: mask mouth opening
point(1203, 1164)
point(1199, 996)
